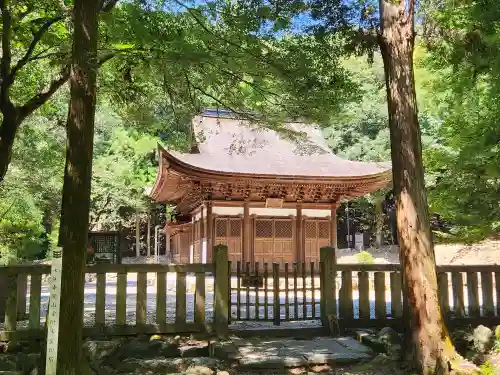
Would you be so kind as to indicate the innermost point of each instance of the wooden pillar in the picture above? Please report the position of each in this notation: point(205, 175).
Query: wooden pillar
point(202, 227)
point(333, 227)
point(247, 256)
point(221, 291)
point(299, 249)
point(328, 289)
point(202, 234)
point(210, 232)
point(167, 246)
point(192, 239)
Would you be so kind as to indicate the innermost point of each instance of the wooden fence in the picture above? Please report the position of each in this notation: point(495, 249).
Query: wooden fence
point(131, 299)
point(24, 315)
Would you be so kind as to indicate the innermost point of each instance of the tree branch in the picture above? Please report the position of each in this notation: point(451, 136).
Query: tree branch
point(220, 102)
point(39, 99)
point(200, 22)
point(108, 5)
point(36, 101)
point(36, 38)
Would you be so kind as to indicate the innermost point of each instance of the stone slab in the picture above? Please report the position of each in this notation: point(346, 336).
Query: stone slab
point(263, 362)
point(352, 344)
point(259, 353)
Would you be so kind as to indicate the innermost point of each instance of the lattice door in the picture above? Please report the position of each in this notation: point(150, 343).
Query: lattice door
point(263, 240)
point(197, 242)
point(273, 240)
point(323, 234)
point(317, 235)
point(283, 241)
point(228, 232)
point(185, 244)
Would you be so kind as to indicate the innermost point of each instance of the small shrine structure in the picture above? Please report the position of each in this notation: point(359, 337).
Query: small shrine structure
point(270, 197)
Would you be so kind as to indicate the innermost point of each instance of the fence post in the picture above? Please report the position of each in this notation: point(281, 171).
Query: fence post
point(221, 290)
point(328, 288)
point(276, 294)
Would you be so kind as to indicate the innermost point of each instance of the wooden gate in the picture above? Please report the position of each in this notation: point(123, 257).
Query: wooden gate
point(268, 292)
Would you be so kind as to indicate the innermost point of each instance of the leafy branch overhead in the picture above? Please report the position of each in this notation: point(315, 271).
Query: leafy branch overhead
point(35, 38)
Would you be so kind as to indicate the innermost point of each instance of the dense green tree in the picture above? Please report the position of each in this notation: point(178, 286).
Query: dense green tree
point(463, 42)
point(35, 51)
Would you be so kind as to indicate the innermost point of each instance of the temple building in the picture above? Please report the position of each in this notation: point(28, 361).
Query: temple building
point(269, 196)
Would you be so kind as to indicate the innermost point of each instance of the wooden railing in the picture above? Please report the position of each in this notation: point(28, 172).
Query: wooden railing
point(371, 295)
point(368, 295)
point(24, 315)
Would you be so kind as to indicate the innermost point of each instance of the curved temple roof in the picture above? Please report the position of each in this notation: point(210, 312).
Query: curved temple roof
point(232, 148)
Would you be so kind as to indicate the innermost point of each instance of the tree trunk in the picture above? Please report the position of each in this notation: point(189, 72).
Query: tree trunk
point(148, 239)
point(77, 182)
point(137, 235)
point(379, 223)
point(431, 346)
point(8, 129)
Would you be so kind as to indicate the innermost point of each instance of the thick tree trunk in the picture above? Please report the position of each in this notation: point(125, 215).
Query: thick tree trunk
point(77, 183)
point(8, 129)
point(432, 350)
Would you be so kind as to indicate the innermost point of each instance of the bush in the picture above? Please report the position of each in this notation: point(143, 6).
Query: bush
point(487, 369)
point(364, 257)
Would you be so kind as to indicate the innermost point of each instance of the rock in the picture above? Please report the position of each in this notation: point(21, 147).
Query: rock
point(392, 341)
point(200, 361)
point(482, 339)
point(395, 352)
point(7, 363)
point(24, 362)
point(157, 365)
point(148, 349)
point(189, 351)
point(199, 370)
point(96, 351)
point(170, 350)
point(29, 362)
point(388, 334)
point(224, 350)
point(380, 359)
point(321, 369)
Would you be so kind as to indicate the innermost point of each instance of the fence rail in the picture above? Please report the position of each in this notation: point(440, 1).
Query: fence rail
point(27, 289)
point(184, 298)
